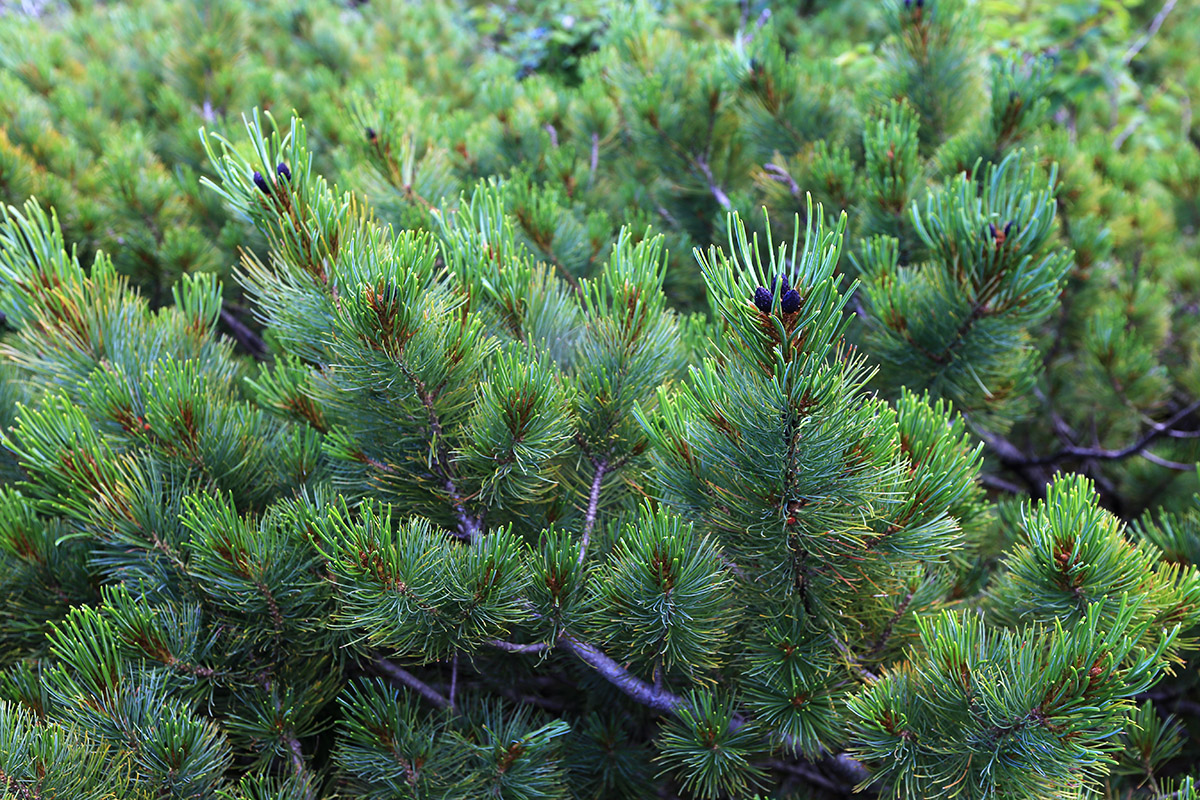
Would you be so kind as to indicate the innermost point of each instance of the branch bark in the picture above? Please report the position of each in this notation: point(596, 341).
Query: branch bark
point(648, 695)
point(512, 647)
point(593, 504)
point(406, 678)
point(468, 525)
point(1012, 456)
point(846, 768)
point(1155, 24)
point(250, 341)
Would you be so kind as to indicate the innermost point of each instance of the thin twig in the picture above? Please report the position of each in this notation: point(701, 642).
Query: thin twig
point(593, 503)
point(853, 662)
point(662, 700)
point(717, 191)
point(1156, 431)
point(1034, 469)
point(297, 755)
point(891, 623)
point(411, 681)
point(595, 159)
point(998, 483)
point(250, 341)
point(1155, 24)
point(453, 678)
point(656, 698)
point(468, 525)
point(513, 647)
point(1178, 466)
point(1127, 131)
point(666, 215)
point(782, 176)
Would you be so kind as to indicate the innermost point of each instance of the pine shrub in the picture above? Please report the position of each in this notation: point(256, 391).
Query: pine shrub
point(685, 401)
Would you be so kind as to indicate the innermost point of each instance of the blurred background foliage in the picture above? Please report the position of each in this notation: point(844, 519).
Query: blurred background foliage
point(100, 104)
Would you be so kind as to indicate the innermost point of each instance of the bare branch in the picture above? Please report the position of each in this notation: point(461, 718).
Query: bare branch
point(717, 192)
point(593, 504)
point(1156, 431)
point(780, 174)
point(1155, 24)
point(1035, 470)
point(1127, 131)
point(846, 768)
point(297, 755)
point(638, 689)
point(1178, 466)
point(513, 647)
point(594, 161)
point(998, 483)
point(250, 341)
point(891, 624)
point(405, 677)
point(468, 525)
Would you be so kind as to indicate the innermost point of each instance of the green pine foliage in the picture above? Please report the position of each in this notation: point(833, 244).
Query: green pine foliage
point(587, 400)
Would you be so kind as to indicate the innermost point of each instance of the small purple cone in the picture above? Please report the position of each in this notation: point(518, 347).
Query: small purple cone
point(371, 135)
point(992, 230)
point(261, 183)
point(790, 302)
point(284, 172)
point(763, 299)
point(1008, 229)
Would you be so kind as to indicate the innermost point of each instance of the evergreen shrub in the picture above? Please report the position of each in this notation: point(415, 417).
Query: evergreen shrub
point(583, 400)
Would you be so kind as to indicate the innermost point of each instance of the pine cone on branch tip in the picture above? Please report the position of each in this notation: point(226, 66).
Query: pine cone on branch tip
point(261, 183)
point(790, 302)
point(284, 172)
point(763, 299)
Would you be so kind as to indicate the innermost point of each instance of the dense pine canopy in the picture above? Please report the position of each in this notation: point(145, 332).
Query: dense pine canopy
point(592, 400)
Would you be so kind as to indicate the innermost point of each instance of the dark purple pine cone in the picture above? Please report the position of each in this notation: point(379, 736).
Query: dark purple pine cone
point(763, 299)
point(261, 183)
point(284, 172)
point(790, 302)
